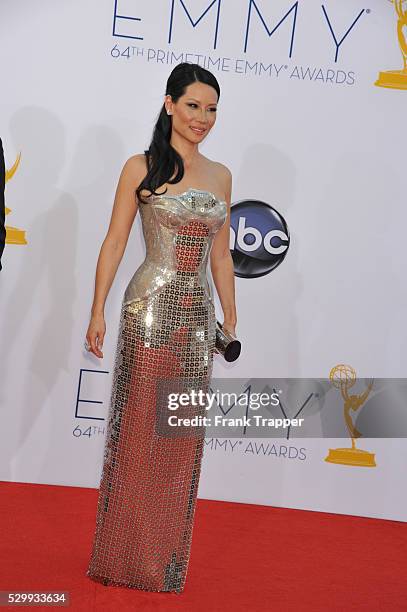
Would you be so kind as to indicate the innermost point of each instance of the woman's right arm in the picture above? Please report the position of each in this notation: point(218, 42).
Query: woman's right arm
point(111, 252)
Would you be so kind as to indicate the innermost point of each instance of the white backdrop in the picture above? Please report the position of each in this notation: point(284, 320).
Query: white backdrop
point(304, 131)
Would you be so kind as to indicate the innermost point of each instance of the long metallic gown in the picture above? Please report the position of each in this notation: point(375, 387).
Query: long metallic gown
point(149, 481)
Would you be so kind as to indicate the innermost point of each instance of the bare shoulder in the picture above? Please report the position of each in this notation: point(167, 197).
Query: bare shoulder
point(220, 169)
point(224, 172)
point(136, 167)
point(224, 178)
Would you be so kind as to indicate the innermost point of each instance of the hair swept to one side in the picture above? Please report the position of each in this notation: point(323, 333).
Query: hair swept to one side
point(163, 161)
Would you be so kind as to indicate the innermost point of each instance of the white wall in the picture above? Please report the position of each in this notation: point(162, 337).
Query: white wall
point(329, 156)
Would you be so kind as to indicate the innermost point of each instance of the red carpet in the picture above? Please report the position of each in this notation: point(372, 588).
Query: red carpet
point(244, 557)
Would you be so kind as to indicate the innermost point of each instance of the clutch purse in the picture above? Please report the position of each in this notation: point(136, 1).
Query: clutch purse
point(226, 344)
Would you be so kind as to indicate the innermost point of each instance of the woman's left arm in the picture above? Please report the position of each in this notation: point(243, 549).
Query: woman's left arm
point(221, 261)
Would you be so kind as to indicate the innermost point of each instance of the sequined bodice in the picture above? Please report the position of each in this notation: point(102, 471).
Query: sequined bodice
point(178, 232)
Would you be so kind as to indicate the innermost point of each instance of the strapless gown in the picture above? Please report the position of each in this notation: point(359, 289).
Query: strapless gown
point(148, 488)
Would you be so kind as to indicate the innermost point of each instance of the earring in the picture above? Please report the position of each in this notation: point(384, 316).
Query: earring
point(168, 112)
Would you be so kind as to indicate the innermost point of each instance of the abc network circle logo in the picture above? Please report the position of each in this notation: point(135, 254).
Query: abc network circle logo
point(259, 238)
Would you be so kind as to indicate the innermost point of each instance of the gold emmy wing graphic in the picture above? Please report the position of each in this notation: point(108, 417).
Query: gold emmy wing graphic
point(343, 377)
point(13, 234)
point(397, 79)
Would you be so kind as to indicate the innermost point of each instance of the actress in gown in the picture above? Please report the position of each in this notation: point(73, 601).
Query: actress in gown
point(150, 476)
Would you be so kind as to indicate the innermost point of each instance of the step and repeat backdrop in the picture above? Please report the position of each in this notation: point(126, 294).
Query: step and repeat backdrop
point(311, 123)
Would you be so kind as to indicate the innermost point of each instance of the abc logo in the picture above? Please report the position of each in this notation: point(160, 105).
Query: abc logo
point(259, 238)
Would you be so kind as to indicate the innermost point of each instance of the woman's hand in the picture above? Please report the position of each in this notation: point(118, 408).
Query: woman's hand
point(95, 334)
point(229, 327)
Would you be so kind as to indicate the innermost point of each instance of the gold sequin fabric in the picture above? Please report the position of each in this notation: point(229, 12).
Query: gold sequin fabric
point(149, 482)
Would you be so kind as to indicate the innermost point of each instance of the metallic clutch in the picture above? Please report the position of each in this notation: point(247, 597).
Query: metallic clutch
point(226, 344)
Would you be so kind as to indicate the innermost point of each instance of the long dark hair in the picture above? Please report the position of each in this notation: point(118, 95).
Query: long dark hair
point(162, 159)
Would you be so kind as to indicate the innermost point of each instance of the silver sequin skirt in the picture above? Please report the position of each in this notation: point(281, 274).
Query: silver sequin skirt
point(149, 481)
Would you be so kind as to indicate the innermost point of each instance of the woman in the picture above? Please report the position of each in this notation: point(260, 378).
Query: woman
point(150, 478)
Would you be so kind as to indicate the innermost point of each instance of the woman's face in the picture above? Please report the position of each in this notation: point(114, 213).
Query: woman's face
point(194, 113)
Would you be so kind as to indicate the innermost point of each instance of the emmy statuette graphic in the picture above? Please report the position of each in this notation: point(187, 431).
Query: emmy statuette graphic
point(397, 79)
point(343, 377)
point(13, 234)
